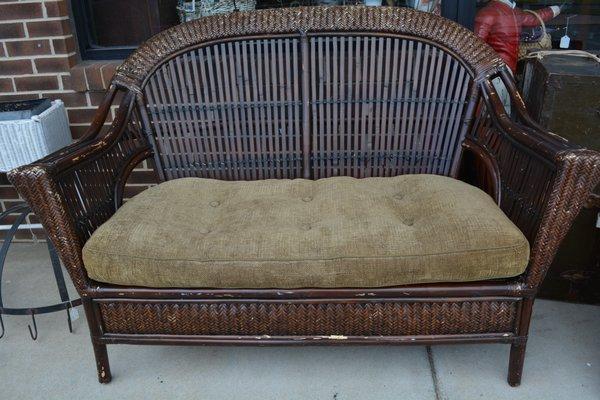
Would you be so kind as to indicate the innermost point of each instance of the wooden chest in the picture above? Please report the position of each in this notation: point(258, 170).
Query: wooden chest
point(562, 93)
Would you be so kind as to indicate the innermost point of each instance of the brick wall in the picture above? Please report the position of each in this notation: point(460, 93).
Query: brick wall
point(39, 58)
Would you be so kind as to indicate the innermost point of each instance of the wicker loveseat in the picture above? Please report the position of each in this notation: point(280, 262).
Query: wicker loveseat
point(270, 239)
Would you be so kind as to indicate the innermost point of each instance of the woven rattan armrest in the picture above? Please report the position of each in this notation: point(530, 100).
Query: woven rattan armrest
point(543, 180)
point(76, 189)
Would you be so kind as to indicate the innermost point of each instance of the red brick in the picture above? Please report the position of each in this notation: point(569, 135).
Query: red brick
point(19, 97)
point(8, 192)
point(49, 28)
point(66, 82)
point(77, 80)
point(10, 219)
point(6, 85)
point(2, 52)
point(28, 47)
point(81, 115)
point(4, 179)
point(71, 99)
point(55, 64)
point(56, 8)
point(15, 67)
point(64, 45)
point(94, 76)
point(25, 234)
point(12, 30)
point(78, 131)
point(11, 203)
point(31, 83)
point(96, 97)
point(108, 70)
point(20, 11)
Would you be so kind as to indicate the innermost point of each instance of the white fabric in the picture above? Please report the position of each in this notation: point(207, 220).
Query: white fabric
point(427, 6)
point(509, 3)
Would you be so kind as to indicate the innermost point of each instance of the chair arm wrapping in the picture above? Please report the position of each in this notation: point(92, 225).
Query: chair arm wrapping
point(543, 179)
point(76, 189)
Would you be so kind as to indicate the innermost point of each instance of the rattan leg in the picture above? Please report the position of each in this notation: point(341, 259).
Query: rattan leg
point(517, 350)
point(515, 363)
point(100, 352)
point(102, 364)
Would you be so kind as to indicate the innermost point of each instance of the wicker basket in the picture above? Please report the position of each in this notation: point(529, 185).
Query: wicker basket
point(25, 140)
point(189, 10)
point(543, 43)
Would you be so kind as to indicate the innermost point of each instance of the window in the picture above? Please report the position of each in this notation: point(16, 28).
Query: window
point(111, 29)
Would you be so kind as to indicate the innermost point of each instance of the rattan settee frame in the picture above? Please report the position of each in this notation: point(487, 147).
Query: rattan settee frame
point(538, 179)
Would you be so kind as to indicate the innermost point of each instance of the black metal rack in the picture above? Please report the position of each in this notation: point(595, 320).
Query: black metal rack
point(65, 302)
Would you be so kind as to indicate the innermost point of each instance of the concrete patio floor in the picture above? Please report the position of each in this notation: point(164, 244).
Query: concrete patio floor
point(563, 359)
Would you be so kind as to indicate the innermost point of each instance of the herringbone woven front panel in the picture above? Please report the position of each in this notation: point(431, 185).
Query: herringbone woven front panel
point(350, 319)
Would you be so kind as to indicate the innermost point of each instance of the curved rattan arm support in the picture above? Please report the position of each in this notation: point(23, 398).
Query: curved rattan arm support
point(76, 189)
point(544, 181)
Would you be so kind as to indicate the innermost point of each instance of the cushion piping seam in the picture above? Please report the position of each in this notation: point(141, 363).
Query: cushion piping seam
point(512, 247)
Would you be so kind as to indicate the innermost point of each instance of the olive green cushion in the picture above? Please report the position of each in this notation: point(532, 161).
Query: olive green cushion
point(335, 232)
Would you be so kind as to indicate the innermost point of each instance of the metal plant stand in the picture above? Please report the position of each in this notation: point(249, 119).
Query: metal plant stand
point(65, 302)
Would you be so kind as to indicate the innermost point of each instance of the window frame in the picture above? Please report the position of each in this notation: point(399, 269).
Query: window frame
point(85, 42)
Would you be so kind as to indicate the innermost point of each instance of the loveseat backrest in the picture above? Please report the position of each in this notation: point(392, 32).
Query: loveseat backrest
point(308, 93)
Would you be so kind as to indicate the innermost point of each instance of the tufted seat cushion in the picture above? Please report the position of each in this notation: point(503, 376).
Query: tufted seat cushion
point(335, 232)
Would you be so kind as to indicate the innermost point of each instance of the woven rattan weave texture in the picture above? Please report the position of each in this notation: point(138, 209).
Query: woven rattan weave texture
point(313, 92)
point(405, 21)
point(319, 319)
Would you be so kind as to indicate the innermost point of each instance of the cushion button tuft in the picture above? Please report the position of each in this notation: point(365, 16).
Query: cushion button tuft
point(214, 203)
point(306, 199)
point(398, 196)
point(305, 227)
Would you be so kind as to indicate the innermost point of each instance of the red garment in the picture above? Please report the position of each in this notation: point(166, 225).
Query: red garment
point(499, 25)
